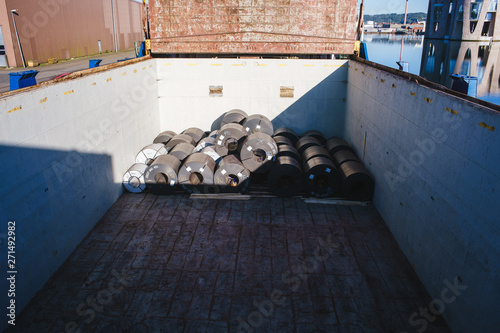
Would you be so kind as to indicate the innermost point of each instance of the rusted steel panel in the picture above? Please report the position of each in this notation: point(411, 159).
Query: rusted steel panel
point(253, 26)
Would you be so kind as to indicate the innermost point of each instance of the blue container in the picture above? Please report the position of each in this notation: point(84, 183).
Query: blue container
point(94, 63)
point(464, 84)
point(24, 79)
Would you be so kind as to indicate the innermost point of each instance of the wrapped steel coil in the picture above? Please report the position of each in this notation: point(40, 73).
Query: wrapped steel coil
point(315, 151)
point(182, 150)
point(150, 152)
point(258, 152)
point(258, 123)
point(285, 178)
point(133, 179)
point(229, 139)
point(206, 142)
point(357, 183)
point(232, 175)
point(164, 137)
point(333, 145)
point(306, 142)
point(210, 151)
point(236, 116)
point(196, 133)
point(343, 156)
point(316, 134)
point(286, 133)
point(197, 172)
point(161, 176)
point(321, 177)
point(180, 138)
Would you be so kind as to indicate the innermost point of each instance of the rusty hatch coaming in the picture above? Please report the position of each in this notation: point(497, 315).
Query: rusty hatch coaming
point(253, 26)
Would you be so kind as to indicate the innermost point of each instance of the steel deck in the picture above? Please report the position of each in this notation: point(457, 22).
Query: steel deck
point(175, 264)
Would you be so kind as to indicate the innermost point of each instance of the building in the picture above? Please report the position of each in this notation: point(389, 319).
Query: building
point(461, 38)
point(65, 29)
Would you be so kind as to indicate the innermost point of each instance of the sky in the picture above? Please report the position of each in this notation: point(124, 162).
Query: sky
point(373, 7)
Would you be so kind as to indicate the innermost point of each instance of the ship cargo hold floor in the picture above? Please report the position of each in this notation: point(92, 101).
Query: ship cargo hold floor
point(177, 264)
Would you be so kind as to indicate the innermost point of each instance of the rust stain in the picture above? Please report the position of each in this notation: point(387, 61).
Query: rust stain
point(123, 74)
point(215, 91)
point(262, 65)
point(143, 68)
point(452, 111)
point(382, 80)
point(282, 65)
point(191, 64)
point(370, 75)
point(484, 125)
point(69, 92)
point(307, 65)
point(363, 72)
point(15, 109)
point(393, 85)
point(412, 93)
point(168, 64)
point(237, 65)
point(428, 100)
point(287, 92)
point(93, 84)
point(108, 80)
point(43, 100)
point(135, 70)
point(216, 64)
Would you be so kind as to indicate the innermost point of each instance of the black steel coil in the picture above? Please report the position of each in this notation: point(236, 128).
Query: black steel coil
point(289, 151)
point(343, 156)
point(357, 183)
point(286, 133)
point(333, 145)
point(315, 151)
point(285, 178)
point(321, 177)
point(316, 134)
point(161, 175)
point(306, 142)
point(281, 140)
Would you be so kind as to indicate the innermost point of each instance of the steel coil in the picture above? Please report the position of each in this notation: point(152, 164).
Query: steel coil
point(231, 175)
point(281, 140)
point(235, 116)
point(229, 139)
point(321, 177)
point(164, 137)
point(306, 142)
point(258, 123)
point(182, 150)
point(180, 138)
point(315, 151)
point(197, 173)
point(316, 134)
point(343, 156)
point(206, 142)
point(210, 151)
point(161, 175)
point(196, 133)
point(289, 151)
point(333, 145)
point(150, 152)
point(133, 179)
point(357, 183)
point(287, 133)
point(258, 152)
point(285, 178)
